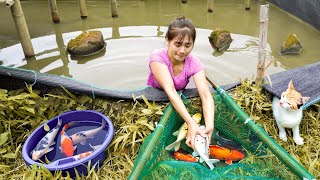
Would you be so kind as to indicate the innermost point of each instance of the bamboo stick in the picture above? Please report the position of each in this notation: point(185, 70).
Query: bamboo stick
point(210, 5)
point(54, 11)
point(23, 32)
point(247, 4)
point(264, 18)
point(114, 9)
point(83, 9)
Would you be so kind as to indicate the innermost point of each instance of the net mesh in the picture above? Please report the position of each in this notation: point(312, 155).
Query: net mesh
point(154, 162)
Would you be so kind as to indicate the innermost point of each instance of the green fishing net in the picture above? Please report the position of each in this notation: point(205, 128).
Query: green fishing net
point(233, 129)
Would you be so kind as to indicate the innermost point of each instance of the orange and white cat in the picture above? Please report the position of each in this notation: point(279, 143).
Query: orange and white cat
point(288, 112)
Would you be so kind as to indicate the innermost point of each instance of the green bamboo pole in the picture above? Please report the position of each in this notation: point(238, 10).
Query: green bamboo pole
point(23, 32)
point(141, 165)
point(114, 9)
point(83, 9)
point(210, 5)
point(54, 11)
point(274, 147)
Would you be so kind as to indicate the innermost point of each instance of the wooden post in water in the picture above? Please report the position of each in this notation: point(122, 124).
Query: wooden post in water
point(114, 9)
point(83, 9)
point(22, 28)
point(54, 11)
point(264, 18)
point(247, 4)
point(210, 5)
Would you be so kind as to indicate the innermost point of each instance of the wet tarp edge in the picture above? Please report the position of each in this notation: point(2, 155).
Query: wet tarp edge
point(14, 78)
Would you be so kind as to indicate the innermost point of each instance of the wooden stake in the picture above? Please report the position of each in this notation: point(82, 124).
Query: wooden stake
point(247, 4)
point(83, 9)
point(114, 9)
point(210, 5)
point(264, 18)
point(54, 11)
point(23, 32)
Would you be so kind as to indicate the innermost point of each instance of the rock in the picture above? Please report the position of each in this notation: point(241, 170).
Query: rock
point(220, 39)
point(87, 43)
point(291, 45)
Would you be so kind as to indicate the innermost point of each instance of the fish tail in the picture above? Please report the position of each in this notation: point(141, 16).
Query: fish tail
point(174, 145)
point(209, 164)
point(59, 121)
point(103, 123)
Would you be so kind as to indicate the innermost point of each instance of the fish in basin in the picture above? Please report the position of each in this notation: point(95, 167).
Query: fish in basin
point(66, 147)
point(201, 148)
point(82, 136)
point(182, 133)
point(222, 153)
point(87, 153)
point(44, 145)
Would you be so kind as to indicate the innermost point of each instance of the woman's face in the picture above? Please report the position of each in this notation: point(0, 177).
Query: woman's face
point(179, 49)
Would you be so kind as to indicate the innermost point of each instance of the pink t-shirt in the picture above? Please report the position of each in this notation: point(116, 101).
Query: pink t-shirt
point(191, 67)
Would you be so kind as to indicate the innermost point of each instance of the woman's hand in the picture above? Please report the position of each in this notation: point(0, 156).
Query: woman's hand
point(193, 130)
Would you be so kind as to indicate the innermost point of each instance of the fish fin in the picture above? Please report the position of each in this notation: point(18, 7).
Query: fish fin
point(170, 146)
point(103, 123)
point(95, 147)
point(60, 148)
point(53, 143)
point(201, 160)
point(195, 154)
point(175, 133)
point(210, 165)
point(83, 142)
point(75, 147)
point(213, 161)
point(59, 121)
point(49, 149)
point(177, 146)
point(229, 161)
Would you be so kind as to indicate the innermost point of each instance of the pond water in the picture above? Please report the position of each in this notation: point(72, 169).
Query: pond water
point(140, 29)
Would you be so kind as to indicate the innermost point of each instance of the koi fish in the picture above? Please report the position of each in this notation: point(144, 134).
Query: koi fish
point(85, 154)
point(182, 133)
point(82, 136)
point(44, 144)
point(222, 153)
point(66, 143)
point(201, 148)
point(185, 157)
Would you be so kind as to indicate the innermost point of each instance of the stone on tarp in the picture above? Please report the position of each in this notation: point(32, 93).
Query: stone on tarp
point(87, 43)
point(291, 45)
point(220, 39)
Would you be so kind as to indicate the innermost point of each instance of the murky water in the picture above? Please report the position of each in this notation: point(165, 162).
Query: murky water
point(140, 29)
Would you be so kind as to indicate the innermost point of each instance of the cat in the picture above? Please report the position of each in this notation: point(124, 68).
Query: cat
point(288, 112)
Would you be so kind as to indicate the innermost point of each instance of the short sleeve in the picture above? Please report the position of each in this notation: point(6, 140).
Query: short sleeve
point(157, 56)
point(195, 65)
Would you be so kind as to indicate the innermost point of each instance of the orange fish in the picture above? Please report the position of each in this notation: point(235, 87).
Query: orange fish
point(66, 143)
point(184, 157)
point(222, 153)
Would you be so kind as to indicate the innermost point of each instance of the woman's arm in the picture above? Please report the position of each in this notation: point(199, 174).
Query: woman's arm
point(163, 77)
point(207, 101)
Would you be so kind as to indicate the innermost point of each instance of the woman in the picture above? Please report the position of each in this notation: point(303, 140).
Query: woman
point(173, 66)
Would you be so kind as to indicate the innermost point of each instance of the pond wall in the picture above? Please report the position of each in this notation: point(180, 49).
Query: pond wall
point(307, 10)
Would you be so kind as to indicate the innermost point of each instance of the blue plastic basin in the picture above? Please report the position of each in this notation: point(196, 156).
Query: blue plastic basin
point(88, 120)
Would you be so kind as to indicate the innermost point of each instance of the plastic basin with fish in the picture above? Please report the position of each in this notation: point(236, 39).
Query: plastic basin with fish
point(85, 120)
